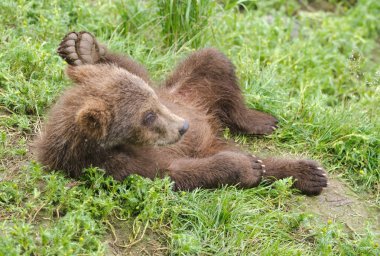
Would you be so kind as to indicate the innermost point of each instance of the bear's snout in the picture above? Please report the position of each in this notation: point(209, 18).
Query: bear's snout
point(184, 128)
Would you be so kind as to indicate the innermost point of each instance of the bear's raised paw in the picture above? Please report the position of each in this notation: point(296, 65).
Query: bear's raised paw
point(78, 48)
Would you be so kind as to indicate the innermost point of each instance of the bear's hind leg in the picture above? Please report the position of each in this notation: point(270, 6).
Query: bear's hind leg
point(207, 77)
point(310, 177)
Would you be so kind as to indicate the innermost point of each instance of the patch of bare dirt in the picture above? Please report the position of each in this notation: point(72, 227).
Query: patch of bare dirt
point(338, 203)
point(13, 154)
point(122, 240)
point(324, 5)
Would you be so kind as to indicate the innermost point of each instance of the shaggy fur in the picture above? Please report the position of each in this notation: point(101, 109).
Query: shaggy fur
point(113, 119)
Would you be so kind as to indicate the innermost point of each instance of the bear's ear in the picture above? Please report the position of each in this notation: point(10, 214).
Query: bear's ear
point(93, 118)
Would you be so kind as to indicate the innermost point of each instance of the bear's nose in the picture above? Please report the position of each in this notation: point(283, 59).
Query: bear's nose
point(184, 128)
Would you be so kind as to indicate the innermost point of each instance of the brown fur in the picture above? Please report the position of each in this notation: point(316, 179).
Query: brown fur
point(102, 121)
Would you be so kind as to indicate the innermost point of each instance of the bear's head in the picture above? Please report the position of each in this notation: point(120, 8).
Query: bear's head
point(118, 108)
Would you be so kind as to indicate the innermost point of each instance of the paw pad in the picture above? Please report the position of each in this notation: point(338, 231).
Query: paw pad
point(80, 48)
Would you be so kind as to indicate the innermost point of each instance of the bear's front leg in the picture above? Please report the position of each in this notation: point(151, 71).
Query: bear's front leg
point(224, 168)
point(309, 177)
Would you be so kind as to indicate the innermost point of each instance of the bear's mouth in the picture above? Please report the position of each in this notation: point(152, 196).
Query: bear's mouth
point(174, 136)
point(162, 143)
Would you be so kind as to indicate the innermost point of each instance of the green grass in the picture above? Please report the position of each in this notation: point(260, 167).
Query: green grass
point(317, 72)
point(177, 17)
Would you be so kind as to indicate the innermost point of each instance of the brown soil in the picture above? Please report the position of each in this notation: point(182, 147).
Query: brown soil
point(324, 5)
point(121, 240)
point(10, 162)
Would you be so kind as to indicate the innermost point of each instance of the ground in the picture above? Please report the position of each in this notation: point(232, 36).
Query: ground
point(312, 64)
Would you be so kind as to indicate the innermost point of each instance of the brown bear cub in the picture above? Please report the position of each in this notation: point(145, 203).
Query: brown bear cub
point(113, 119)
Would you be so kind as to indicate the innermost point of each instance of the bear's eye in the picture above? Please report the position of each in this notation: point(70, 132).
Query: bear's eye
point(149, 118)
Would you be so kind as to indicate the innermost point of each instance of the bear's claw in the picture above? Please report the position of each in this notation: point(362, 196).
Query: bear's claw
point(258, 123)
point(310, 178)
point(78, 48)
